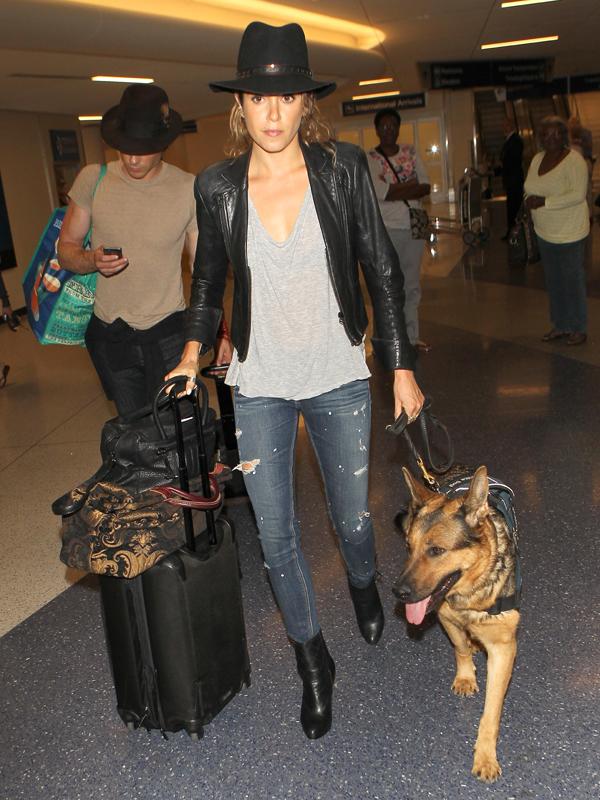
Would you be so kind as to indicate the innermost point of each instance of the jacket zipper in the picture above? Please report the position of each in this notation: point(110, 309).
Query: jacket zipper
point(342, 208)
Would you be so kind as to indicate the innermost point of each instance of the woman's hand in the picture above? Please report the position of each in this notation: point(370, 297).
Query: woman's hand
point(407, 395)
point(223, 351)
point(187, 367)
point(534, 201)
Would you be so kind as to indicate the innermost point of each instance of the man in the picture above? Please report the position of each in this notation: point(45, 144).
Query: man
point(144, 209)
point(513, 178)
point(400, 180)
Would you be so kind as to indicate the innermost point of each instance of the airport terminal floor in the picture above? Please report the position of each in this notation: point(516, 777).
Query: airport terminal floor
point(527, 410)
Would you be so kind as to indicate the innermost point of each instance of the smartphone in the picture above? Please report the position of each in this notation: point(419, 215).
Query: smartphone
point(113, 251)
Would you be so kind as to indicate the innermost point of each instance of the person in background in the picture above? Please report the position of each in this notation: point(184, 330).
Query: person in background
point(145, 208)
point(294, 214)
point(400, 179)
point(511, 158)
point(556, 190)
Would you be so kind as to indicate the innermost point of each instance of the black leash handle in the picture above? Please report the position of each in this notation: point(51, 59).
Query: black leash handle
point(400, 428)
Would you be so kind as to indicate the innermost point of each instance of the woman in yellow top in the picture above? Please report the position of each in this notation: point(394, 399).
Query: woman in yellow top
point(555, 190)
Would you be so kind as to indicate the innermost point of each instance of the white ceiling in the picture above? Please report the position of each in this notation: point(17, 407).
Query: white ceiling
point(60, 43)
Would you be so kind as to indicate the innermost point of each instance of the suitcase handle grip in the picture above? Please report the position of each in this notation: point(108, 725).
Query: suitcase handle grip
point(177, 497)
point(161, 399)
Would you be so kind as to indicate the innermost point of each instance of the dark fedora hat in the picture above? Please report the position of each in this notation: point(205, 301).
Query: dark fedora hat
point(273, 60)
point(142, 123)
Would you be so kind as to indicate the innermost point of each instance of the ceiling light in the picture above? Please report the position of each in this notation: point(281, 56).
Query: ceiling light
point(375, 80)
point(89, 118)
point(237, 14)
point(516, 42)
point(516, 3)
point(117, 79)
point(378, 94)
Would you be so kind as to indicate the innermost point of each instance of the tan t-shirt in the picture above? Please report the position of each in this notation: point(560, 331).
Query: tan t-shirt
point(149, 220)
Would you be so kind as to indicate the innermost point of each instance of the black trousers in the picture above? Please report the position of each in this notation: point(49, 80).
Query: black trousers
point(132, 364)
point(514, 198)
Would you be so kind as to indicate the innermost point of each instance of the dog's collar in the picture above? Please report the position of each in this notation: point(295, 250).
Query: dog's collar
point(500, 497)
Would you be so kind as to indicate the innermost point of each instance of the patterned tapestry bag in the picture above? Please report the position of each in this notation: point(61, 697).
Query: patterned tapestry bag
point(130, 514)
point(420, 226)
point(59, 303)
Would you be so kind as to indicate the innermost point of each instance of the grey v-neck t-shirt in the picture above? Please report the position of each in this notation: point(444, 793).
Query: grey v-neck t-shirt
point(298, 348)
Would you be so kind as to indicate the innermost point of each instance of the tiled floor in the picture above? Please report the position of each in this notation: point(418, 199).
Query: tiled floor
point(526, 409)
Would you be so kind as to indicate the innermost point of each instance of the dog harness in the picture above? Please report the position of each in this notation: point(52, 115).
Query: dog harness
point(501, 498)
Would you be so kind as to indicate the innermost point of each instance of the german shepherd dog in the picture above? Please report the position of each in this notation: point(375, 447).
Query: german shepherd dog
point(463, 563)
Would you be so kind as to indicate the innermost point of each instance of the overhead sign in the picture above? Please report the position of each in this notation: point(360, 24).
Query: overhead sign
point(585, 83)
point(467, 74)
point(402, 101)
point(570, 84)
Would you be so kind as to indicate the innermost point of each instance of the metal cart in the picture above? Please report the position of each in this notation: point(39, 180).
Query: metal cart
point(470, 223)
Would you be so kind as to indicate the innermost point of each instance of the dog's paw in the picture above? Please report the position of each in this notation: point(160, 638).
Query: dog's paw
point(465, 687)
point(486, 768)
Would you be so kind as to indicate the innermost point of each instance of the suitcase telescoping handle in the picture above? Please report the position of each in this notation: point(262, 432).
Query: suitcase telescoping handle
point(176, 385)
point(218, 372)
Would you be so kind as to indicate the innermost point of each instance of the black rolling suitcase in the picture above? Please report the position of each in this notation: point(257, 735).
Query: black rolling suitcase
point(175, 634)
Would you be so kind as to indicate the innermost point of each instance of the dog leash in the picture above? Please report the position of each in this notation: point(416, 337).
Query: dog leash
point(426, 421)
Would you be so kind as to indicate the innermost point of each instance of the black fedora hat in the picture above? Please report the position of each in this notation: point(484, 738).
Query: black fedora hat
point(142, 123)
point(273, 60)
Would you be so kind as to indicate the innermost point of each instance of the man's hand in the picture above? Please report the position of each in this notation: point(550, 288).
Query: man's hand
point(108, 265)
point(407, 395)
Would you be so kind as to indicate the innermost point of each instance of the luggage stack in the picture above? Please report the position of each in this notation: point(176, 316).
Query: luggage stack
point(175, 633)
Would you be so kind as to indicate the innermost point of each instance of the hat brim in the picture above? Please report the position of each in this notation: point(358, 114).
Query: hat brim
point(114, 136)
point(275, 84)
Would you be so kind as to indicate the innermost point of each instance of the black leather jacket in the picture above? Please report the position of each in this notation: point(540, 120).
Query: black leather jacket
point(353, 231)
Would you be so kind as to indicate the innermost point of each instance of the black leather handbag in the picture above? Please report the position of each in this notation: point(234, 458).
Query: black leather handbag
point(522, 241)
point(139, 451)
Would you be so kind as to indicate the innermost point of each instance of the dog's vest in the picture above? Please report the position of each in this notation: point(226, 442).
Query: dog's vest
point(501, 498)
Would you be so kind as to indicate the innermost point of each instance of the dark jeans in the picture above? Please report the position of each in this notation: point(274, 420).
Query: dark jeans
point(339, 425)
point(564, 273)
point(132, 364)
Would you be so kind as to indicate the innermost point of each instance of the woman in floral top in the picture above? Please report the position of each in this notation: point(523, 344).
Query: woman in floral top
point(400, 180)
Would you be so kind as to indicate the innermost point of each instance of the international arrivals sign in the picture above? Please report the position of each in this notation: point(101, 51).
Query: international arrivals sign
point(369, 106)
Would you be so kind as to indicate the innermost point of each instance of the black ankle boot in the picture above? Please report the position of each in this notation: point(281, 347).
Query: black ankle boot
point(317, 670)
point(369, 612)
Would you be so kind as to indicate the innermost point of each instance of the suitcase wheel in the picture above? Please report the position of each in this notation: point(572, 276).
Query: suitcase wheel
point(195, 736)
point(131, 726)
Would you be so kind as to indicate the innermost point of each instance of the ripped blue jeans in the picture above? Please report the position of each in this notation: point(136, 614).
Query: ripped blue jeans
point(339, 426)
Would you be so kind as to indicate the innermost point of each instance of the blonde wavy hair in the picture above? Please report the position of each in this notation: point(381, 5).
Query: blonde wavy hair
point(313, 128)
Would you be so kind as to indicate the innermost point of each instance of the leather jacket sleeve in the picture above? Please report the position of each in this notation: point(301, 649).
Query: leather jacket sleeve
point(209, 275)
point(382, 272)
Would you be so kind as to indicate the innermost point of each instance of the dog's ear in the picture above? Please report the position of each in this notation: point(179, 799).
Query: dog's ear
point(419, 493)
point(476, 505)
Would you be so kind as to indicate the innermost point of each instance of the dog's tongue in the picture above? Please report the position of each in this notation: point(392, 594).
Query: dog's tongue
point(415, 612)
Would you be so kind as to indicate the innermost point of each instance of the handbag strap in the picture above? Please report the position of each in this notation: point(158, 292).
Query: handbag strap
point(177, 497)
point(394, 173)
point(101, 174)
point(400, 428)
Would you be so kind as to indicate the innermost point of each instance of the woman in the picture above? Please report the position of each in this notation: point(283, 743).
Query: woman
point(294, 214)
point(556, 188)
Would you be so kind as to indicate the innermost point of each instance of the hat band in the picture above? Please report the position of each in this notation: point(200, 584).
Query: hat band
point(274, 69)
point(143, 128)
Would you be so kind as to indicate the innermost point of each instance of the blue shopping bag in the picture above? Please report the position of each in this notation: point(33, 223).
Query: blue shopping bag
point(59, 302)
